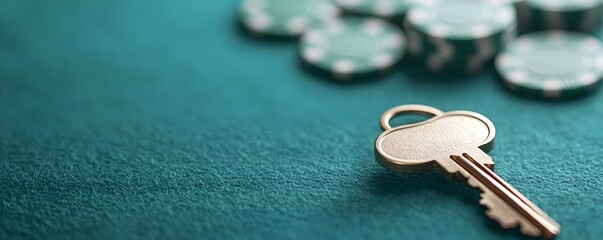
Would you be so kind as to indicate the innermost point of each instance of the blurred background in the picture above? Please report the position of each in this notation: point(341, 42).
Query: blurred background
point(156, 119)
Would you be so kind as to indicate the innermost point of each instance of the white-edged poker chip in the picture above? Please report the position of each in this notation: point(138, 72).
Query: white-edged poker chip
point(462, 19)
point(285, 18)
point(552, 64)
point(353, 46)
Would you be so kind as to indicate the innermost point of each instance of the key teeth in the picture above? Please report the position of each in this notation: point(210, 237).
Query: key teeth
point(483, 201)
point(498, 212)
point(501, 221)
point(471, 182)
point(497, 209)
point(494, 208)
point(529, 230)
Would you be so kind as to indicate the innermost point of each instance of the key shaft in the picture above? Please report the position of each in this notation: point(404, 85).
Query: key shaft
point(547, 226)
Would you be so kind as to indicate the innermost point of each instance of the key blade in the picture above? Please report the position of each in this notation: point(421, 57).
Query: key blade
point(499, 211)
point(505, 204)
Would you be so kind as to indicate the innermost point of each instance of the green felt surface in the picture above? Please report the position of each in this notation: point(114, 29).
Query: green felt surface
point(159, 119)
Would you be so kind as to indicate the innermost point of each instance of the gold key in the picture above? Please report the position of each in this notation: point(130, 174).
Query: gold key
point(455, 145)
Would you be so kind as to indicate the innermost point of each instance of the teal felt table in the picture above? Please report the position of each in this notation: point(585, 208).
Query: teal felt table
point(124, 119)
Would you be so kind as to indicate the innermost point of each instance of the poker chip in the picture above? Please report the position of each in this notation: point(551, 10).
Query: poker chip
point(459, 36)
point(573, 15)
point(285, 18)
point(391, 9)
point(353, 47)
point(553, 64)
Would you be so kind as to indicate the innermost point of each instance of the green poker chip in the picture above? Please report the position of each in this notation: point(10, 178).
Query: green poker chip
point(462, 19)
point(351, 48)
point(553, 64)
point(459, 36)
point(573, 15)
point(285, 18)
point(379, 8)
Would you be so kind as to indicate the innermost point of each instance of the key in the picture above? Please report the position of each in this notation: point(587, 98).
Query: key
point(455, 145)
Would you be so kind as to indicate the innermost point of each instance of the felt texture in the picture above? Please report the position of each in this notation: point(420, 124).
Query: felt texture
point(124, 119)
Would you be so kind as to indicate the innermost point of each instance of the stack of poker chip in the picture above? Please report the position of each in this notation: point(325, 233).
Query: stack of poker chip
point(459, 36)
point(556, 58)
point(570, 15)
point(348, 40)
